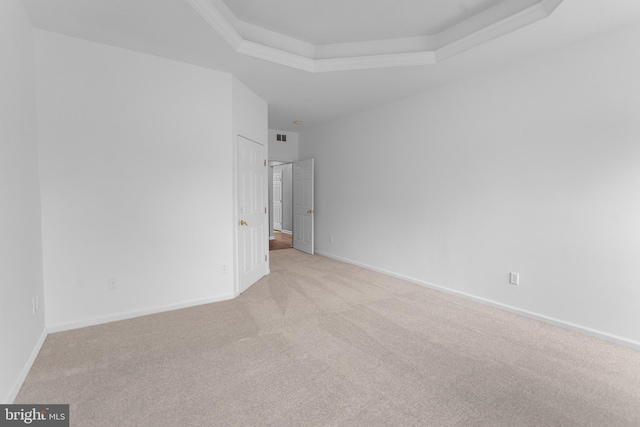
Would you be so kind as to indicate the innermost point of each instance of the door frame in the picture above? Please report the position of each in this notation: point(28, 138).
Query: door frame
point(274, 162)
point(235, 189)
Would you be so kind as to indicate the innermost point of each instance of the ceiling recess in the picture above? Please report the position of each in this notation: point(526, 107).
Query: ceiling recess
point(484, 25)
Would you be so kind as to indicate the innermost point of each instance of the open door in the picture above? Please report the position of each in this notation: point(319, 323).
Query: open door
point(252, 213)
point(303, 212)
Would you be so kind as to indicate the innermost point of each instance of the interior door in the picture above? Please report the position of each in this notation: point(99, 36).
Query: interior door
point(277, 199)
point(252, 213)
point(303, 213)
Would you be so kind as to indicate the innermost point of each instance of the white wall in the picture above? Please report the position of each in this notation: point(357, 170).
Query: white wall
point(533, 168)
point(20, 235)
point(284, 151)
point(136, 177)
point(250, 114)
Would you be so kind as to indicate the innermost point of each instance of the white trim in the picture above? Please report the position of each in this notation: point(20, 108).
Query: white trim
point(67, 326)
point(215, 18)
point(428, 50)
point(489, 32)
point(286, 231)
point(540, 317)
point(234, 195)
point(374, 61)
point(278, 56)
point(13, 392)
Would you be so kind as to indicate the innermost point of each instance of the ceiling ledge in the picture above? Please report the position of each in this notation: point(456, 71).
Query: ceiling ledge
point(258, 42)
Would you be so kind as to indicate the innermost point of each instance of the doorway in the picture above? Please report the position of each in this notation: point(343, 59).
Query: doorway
point(297, 207)
point(281, 203)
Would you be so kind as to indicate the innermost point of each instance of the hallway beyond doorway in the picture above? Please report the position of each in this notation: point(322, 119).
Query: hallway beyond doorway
point(281, 241)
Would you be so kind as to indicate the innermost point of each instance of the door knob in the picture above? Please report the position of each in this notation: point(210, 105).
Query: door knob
point(310, 211)
point(243, 222)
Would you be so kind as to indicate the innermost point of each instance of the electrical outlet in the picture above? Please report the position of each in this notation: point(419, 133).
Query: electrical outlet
point(331, 239)
point(514, 278)
point(113, 283)
point(224, 269)
point(37, 304)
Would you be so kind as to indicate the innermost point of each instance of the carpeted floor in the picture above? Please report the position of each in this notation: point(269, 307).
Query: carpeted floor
point(321, 343)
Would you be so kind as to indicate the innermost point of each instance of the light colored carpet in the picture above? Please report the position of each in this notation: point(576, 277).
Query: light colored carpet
point(322, 343)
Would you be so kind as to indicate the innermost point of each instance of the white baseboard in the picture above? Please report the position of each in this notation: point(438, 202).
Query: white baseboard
point(546, 319)
point(66, 326)
point(13, 393)
point(287, 232)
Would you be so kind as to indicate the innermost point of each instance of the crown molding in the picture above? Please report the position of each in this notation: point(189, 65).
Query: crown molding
point(505, 26)
point(374, 61)
point(278, 56)
point(258, 42)
point(216, 19)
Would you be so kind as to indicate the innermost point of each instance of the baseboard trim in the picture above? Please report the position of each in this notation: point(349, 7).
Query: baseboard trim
point(67, 326)
point(287, 232)
point(540, 317)
point(13, 393)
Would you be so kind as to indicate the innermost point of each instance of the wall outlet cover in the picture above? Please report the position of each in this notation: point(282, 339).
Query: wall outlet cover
point(514, 278)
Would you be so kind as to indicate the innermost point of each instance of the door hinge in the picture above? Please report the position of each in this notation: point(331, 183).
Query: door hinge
point(265, 209)
point(265, 257)
point(265, 163)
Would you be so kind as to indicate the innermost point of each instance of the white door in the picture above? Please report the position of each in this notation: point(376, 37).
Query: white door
point(252, 213)
point(277, 200)
point(303, 205)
